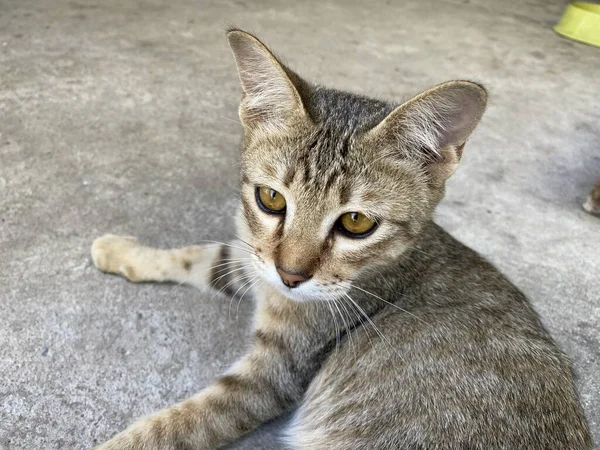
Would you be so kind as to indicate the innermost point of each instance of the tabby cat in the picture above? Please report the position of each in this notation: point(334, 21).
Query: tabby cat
point(379, 328)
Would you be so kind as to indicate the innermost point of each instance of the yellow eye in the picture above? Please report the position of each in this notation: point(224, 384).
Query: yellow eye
point(270, 200)
point(355, 224)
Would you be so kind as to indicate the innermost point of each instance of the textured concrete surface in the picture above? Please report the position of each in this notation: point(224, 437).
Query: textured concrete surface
point(120, 116)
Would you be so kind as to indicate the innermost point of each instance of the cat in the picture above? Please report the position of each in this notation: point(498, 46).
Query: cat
point(378, 327)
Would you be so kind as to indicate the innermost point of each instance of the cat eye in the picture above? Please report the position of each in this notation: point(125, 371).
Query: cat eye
point(356, 225)
point(269, 200)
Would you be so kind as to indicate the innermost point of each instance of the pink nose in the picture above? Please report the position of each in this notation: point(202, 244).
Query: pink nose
point(291, 279)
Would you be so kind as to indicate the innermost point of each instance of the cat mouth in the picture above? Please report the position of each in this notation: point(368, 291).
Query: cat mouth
point(312, 289)
point(304, 292)
point(297, 293)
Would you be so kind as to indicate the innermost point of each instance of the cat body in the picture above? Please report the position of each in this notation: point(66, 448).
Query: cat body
point(379, 327)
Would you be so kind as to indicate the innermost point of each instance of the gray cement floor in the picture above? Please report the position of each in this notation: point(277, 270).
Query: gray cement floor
point(120, 116)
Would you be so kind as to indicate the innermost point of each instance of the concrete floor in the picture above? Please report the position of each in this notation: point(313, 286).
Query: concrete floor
point(120, 116)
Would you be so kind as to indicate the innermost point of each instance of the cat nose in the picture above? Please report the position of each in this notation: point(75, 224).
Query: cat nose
point(291, 279)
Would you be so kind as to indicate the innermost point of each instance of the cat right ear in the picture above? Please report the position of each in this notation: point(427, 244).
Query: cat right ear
point(432, 127)
point(269, 97)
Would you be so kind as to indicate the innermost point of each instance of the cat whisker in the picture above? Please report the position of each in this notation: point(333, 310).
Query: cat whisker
point(385, 301)
point(335, 323)
point(230, 119)
point(414, 249)
point(247, 279)
point(227, 265)
point(229, 245)
point(215, 281)
point(195, 274)
point(236, 259)
point(347, 326)
point(251, 275)
point(245, 242)
point(242, 277)
point(237, 311)
point(357, 316)
point(377, 330)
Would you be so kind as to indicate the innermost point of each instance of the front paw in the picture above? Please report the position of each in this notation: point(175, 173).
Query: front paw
point(136, 437)
point(113, 254)
point(151, 433)
point(119, 442)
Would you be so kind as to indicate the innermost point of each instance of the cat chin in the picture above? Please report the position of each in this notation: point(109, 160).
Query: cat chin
point(294, 295)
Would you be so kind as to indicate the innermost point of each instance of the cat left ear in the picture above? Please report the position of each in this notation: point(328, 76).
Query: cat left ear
point(433, 126)
point(269, 97)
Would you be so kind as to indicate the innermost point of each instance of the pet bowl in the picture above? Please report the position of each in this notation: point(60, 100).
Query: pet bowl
point(581, 22)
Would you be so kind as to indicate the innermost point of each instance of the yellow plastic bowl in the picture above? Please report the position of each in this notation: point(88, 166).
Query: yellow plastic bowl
point(581, 22)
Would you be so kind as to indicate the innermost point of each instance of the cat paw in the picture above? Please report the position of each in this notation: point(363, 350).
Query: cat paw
point(118, 443)
point(113, 254)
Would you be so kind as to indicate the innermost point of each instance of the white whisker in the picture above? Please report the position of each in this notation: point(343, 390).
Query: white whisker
point(229, 245)
point(335, 322)
point(247, 279)
point(237, 311)
point(195, 274)
point(357, 316)
point(387, 302)
point(215, 281)
point(377, 330)
point(351, 342)
point(244, 242)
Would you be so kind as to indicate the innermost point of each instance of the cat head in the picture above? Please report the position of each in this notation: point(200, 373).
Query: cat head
point(333, 183)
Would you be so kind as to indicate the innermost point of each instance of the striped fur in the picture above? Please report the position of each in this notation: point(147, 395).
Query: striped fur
point(404, 339)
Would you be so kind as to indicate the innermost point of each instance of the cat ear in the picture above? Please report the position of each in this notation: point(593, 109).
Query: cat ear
point(434, 126)
point(269, 96)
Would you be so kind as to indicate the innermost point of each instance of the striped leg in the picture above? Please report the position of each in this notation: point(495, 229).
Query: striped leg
point(269, 380)
point(218, 266)
point(232, 406)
